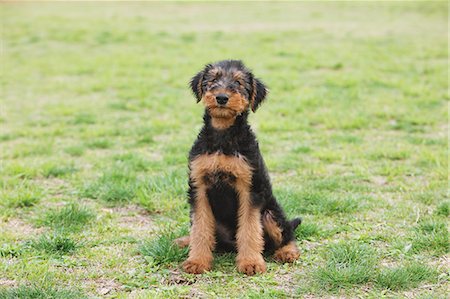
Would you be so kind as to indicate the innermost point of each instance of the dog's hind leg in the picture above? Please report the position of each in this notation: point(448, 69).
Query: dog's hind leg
point(281, 236)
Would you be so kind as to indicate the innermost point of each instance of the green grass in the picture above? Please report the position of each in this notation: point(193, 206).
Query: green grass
point(97, 120)
point(115, 185)
point(307, 231)
point(347, 264)
point(22, 195)
point(52, 170)
point(432, 236)
point(54, 244)
point(29, 292)
point(163, 251)
point(70, 217)
point(75, 150)
point(99, 144)
point(410, 276)
point(443, 209)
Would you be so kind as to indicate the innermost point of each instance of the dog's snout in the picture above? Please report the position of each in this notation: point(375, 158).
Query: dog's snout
point(222, 99)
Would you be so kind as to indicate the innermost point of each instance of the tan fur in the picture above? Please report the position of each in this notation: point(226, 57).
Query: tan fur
point(182, 242)
point(272, 228)
point(202, 239)
point(222, 123)
point(249, 238)
point(288, 253)
point(224, 117)
point(238, 76)
point(211, 163)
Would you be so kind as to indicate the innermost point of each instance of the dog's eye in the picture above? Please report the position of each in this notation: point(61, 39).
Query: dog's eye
point(238, 83)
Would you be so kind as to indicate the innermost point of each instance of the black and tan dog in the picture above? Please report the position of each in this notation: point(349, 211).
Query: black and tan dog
point(232, 204)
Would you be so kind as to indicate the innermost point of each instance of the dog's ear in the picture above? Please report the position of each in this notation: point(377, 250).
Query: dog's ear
point(196, 83)
point(258, 93)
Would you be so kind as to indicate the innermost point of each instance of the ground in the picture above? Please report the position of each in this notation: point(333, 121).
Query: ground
point(97, 120)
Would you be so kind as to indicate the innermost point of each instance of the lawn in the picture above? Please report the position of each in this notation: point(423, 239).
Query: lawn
point(97, 119)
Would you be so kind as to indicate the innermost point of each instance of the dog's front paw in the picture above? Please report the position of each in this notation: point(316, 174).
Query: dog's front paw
point(251, 266)
point(287, 254)
point(196, 266)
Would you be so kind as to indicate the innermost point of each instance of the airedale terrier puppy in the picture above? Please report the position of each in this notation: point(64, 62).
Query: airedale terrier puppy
point(232, 204)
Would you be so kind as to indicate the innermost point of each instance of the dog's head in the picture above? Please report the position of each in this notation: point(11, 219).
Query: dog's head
point(227, 89)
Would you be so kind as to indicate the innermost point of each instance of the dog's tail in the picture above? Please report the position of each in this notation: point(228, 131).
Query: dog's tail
point(295, 222)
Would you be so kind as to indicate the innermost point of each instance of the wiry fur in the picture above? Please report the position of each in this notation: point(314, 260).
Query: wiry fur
point(232, 204)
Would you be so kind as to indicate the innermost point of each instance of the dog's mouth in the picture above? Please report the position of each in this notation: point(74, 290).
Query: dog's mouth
point(222, 112)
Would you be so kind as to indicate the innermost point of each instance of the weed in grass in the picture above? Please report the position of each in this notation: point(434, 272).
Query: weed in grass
point(348, 264)
point(52, 170)
point(144, 197)
point(21, 170)
point(21, 196)
point(306, 231)
point(71, 217)
point(443, 209)
point(163, 250)
point(145, 140)
point(33, 149)
point(116, 185)
point(431, 236)
point(406, 277)
point(428, 196)
point(100, 144)
point(113, 192)
point(57, 244)
point(29, 292)
point(84, 118)
point(319, 202)
point(390, 154)
point(6, 137)
point(301, 150)
point(121, 185)
point(169, 185)
point(75, 150)
point(132, 161)
point(11, 250)
point(145, 135)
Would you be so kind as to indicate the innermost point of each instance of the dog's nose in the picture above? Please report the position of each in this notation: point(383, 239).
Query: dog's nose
point(222, 99)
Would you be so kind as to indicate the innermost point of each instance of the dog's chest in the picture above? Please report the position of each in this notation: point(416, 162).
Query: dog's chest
point(217, 168)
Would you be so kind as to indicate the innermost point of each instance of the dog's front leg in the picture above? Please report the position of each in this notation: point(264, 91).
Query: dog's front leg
point(249, 238)
point(202, 239)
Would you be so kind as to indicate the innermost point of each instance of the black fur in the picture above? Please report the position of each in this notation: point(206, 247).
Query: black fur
point(234, 140)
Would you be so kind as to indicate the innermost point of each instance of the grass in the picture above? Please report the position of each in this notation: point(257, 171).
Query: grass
point(70, 217)
point(97, 121)
point(23, 195)
point(54, 244)
point(433, 236)
point(443, 209)
point(39, 292)
point(406, 277)
point(115, 185)
point(348, 264)
point(52, 170)
point(163, 251)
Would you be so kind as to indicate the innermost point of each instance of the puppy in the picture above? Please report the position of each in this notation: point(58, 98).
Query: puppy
point(232, 204)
